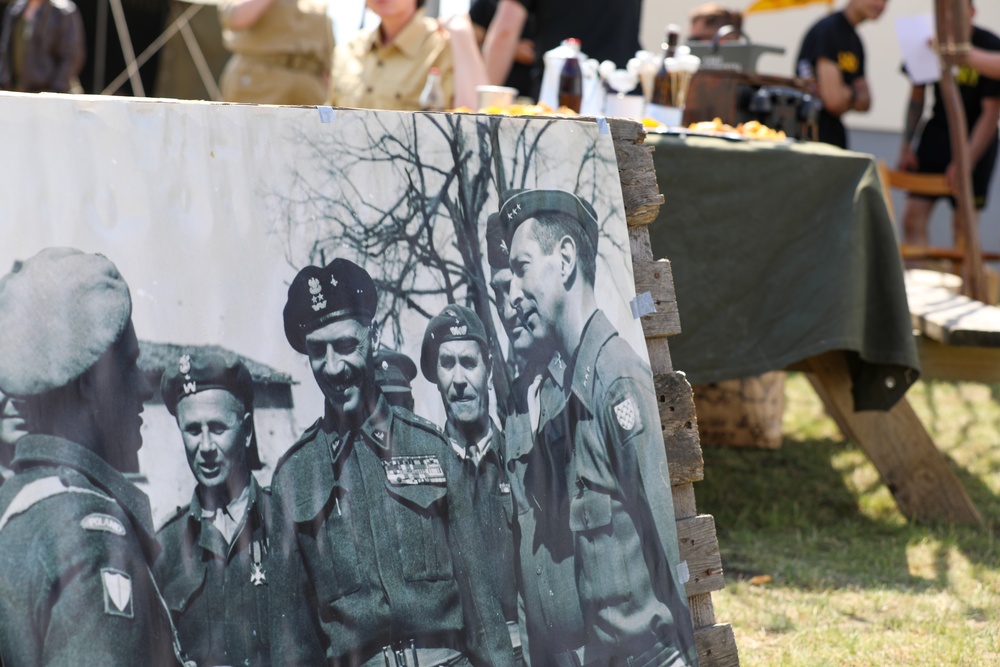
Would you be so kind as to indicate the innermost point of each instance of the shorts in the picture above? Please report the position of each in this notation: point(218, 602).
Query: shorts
point(934, 156)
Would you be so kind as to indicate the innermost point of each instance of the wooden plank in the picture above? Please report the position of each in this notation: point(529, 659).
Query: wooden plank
point(917, 474)
point(659, 355)
point(955, 363)
point(638, 240)
point(951, 318)
point(684, 502)
point(716, 646)
point(680, 428)
point(702, 610)
point(657, 279)
point(699, 547)
point(640, 193)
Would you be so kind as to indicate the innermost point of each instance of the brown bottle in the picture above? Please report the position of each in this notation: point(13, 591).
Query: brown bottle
point(571, 78)
point(662, 88)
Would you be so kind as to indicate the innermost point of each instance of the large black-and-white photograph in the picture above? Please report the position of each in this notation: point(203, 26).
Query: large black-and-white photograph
point(300, 386)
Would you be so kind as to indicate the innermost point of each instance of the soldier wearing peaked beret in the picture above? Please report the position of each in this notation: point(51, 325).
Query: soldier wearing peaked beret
point(379, 553)
point(214, 567)
point(76, 537)
point(394, 373)
point(455, 356)
point(593, 524)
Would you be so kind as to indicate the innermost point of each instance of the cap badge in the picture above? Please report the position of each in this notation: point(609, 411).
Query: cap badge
point(318, 300)
point(385, 365)
point(504, 248)
point(184, 364)
point(459, 331)
point(190, 387)
point(333, 281)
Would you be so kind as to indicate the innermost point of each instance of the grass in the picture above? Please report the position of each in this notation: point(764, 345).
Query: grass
point(852, 582)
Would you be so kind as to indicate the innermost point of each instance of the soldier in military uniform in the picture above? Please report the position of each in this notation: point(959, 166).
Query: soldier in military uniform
point(585, 454)
point(76, 537)
point(455, 356)
point(214, 567)
point(381, 561)
point(394, 371)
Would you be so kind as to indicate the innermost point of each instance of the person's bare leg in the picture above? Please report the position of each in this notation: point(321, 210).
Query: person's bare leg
point(915, 219)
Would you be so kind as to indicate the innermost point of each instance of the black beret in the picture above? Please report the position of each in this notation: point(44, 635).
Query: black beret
point(199, 372)
point(394, 371)
point(525, 204)
point(497, 252)
point(318, 296)
point(455, 322)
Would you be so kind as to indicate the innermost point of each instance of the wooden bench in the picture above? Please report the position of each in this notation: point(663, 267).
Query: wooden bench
point(958, 338)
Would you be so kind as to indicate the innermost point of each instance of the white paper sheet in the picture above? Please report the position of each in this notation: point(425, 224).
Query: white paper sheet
point(915, 34)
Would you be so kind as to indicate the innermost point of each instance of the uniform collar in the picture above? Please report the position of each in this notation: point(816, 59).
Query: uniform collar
point(409, 39)
point(211, 540)
point(376, 429)
point(480, 447)
point(51, 450)
point(596, 333)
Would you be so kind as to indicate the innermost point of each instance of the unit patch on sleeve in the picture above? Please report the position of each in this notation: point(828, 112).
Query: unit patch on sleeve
point(103, 523)
point(117, 592)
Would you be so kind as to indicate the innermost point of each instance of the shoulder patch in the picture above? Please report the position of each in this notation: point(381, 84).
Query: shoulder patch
point(117, 592)
point(627, 414)
point(103, 523)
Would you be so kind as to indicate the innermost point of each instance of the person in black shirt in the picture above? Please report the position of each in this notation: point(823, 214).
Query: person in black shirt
point(606, 30)
point(981, 101)
point(833, 58)
point(523, 74)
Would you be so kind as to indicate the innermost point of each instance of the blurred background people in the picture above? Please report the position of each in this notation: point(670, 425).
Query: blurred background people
point(41, 47)
point(606, 30)
point(523, 72)
point(281, 51)
point(981, 101)
point(387, 67)
point(394, 373)
point(706, 21)
point(833, 57)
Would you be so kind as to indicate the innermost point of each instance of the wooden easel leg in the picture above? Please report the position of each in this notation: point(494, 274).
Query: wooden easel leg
point(917, 474)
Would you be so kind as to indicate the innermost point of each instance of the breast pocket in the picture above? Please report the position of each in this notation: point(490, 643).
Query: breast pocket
point(600, 555)
point(329, 547)
point(420, 512)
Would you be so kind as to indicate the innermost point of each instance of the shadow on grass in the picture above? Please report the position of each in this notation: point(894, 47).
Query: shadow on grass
point(790, 514)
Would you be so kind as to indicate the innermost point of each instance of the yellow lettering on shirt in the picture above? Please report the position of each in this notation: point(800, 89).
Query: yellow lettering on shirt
point(848, 62)
point(967, 76)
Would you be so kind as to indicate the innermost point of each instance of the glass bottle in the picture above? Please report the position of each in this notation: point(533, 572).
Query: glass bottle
point(432, 96)
point(571, 77)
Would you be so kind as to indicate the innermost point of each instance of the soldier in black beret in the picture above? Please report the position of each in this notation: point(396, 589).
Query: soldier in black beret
point(76, 537)
point(455, 356)
point(214, 567)
point(394, 373)
point(584, 453)
point(380, 557)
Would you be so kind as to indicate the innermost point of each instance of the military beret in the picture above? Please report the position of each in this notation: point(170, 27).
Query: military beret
point(497, 252)
point(455, 322)
point(58, 315)
point(318, 296)
point(394, 371)
point(525, 204)
point(199, 372)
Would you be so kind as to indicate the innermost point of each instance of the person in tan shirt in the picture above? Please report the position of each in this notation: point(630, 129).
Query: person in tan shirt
point(386, 68)
point(281, 51)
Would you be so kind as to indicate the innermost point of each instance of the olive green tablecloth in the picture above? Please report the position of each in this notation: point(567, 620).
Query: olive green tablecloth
point(780, 252)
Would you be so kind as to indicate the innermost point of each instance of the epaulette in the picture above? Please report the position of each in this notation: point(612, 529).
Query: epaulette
point(416, 420)
point(306, 436)
point(178, 513)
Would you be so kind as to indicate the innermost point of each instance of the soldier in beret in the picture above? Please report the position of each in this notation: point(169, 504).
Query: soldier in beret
point(76, 537)
point(381, 561)
point(214, 567)
point(455, 356)
point(394, 371)
point(584, 450)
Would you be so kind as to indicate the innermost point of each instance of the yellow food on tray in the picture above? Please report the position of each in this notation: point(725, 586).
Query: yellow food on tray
point(751, 129)
point(540, 109)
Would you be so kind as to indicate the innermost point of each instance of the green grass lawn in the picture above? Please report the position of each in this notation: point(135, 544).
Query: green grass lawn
point(852, 582)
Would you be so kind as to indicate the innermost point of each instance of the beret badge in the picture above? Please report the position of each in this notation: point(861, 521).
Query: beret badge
point(318, 300)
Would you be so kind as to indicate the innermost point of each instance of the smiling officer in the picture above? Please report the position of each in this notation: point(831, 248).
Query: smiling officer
point(381, 561)
point(214, 566)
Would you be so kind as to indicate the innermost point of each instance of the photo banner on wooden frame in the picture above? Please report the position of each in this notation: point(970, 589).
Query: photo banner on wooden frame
point(296, 388)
